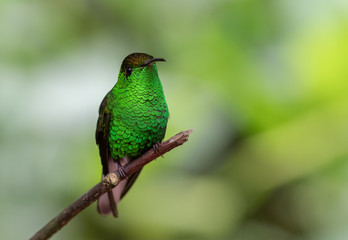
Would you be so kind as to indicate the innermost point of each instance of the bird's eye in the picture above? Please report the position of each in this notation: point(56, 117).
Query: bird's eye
point(129, 71)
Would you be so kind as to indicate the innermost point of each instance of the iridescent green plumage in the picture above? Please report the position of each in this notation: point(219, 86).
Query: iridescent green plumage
point(132, 118)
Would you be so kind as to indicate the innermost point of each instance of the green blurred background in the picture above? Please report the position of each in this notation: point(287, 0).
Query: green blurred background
point(262, 83)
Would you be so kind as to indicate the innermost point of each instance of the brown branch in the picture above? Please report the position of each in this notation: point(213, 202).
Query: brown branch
point(109, 181)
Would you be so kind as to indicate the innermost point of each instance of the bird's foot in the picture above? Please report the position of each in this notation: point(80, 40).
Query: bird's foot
point(122, 172)
point(156, 148)
point(123, 162)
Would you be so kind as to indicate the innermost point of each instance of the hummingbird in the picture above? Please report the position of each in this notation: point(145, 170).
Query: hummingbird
point(132, 119)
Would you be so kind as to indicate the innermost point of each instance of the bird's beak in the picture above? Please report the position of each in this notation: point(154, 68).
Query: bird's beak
point(151, 61)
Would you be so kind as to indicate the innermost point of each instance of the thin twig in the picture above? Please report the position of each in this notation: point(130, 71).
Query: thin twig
point(109, 181)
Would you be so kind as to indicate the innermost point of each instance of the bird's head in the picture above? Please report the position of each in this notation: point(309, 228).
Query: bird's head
point(139, 66)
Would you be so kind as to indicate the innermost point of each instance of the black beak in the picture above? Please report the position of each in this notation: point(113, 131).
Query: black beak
point(152, 61)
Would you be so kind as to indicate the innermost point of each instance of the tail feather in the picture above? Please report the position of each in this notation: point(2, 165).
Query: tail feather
point(107, 203)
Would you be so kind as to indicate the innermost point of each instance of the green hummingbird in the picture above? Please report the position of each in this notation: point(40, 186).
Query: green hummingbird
point(132, 119)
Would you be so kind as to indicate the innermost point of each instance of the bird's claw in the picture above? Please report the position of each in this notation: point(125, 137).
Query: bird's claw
point(156, 148)
point(122, 172)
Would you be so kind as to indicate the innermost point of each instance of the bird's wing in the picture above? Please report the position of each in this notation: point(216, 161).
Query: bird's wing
point(107, 202)
point(102, 134)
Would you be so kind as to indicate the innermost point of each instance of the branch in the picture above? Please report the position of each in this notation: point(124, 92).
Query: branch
point(109, 181)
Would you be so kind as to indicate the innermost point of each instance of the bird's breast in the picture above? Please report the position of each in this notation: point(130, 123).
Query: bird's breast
point(136, 125)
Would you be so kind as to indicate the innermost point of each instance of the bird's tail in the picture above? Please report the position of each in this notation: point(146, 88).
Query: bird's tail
point(107, 203)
